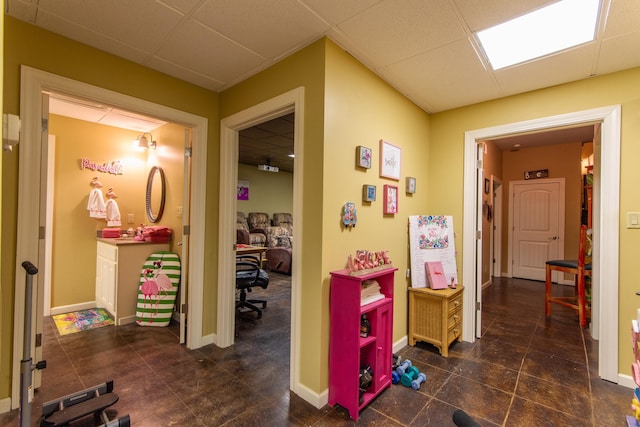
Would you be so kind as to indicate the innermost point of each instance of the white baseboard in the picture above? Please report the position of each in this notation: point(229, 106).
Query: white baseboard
point(400, 344)
point(73, 307)
point(206, 340)
point(316, 399)
point(5, 405)
point(626, 381)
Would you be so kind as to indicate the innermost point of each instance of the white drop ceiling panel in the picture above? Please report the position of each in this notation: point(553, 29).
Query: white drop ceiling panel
point(217, 43)
point(218, 56)
point(452, 68)
point(480, 15)
point(336, 11)
point(394, 30)
point(574, 64)
point(272, 33)
point(611, 60)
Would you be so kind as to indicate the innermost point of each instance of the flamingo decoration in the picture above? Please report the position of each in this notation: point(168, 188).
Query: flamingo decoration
point(149, 289)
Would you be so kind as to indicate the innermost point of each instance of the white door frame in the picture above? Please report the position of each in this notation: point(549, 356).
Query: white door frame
point(606, 237)
point(292, 101)
point(32, 83)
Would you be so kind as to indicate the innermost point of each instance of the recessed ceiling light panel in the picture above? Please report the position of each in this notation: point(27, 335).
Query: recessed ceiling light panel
point(559, 26)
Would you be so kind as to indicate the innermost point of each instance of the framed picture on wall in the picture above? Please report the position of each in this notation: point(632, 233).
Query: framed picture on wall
point(368, 193)
point(487, 184)
point(390, 205)
point(389, 160)
point(410, 185)
point(363, 157)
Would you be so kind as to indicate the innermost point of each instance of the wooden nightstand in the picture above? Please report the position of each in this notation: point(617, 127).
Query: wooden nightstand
point(435, 316)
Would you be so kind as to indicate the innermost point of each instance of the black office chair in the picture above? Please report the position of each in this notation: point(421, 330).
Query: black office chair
point(250, 275)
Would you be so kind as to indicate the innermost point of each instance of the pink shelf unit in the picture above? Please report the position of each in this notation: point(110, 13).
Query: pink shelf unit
point(348, 352)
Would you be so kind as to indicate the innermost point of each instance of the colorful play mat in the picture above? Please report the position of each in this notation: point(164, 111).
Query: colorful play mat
point(70, 323)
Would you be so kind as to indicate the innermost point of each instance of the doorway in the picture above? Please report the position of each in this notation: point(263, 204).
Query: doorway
point(605, 221)
point(537, 212)
point(31, 208)
point(289, 102)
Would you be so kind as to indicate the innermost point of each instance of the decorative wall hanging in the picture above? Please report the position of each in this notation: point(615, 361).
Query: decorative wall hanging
point(114, 167)
point(349, 215)
point(390, 205)
point(243, 190)
point(368, 193)
point(540, 173)
point(410, 185)
point(363, 157)
point(389, 160)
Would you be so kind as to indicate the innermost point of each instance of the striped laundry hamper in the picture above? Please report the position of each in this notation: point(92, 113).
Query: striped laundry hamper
point(157, 289)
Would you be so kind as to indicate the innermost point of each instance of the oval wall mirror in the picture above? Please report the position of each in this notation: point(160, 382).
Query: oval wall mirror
point(155, 194)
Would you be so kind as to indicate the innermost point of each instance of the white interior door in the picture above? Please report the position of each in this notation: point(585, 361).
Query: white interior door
point(538, 226)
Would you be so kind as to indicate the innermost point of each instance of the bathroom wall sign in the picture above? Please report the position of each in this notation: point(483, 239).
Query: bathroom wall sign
point(114, 167)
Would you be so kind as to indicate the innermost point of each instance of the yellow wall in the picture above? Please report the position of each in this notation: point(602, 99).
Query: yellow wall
point(268, 192)
point(29, 45)
point(447, 151)
point(74, 232)
point(361, 109)
point(303, 69)
point(351, 107)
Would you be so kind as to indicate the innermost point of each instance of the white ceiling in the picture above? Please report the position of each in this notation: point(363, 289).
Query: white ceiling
point(423, 48)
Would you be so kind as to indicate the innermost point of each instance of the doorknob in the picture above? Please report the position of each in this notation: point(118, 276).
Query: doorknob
point(553, 238)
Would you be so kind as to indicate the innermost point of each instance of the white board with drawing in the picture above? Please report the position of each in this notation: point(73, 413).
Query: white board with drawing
point(431, 238)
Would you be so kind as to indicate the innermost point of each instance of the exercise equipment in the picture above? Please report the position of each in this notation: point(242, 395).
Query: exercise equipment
point(415, 384)
point(461, 419)
point(402, 368)
point(395, 378)
point(410, 375)
point(26, 367)
point(91, 401)
point(62, 411)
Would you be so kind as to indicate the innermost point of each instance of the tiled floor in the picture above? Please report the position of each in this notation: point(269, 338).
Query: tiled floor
point(523, 372)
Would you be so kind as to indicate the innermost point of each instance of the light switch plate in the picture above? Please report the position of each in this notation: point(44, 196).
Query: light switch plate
point(633, 219)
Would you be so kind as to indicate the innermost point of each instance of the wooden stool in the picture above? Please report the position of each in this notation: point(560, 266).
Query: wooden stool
point(577, 268)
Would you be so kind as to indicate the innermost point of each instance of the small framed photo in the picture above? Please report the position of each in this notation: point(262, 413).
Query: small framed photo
point(487, 183)
point(363, 157)
point(389, 160)
point(410, 185)
point(368, 193)
point(390, 205)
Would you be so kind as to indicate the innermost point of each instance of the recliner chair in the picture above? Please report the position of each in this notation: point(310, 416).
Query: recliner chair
point(250, 275)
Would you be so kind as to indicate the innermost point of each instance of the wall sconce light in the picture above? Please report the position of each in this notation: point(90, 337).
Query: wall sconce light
point(143, 143)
